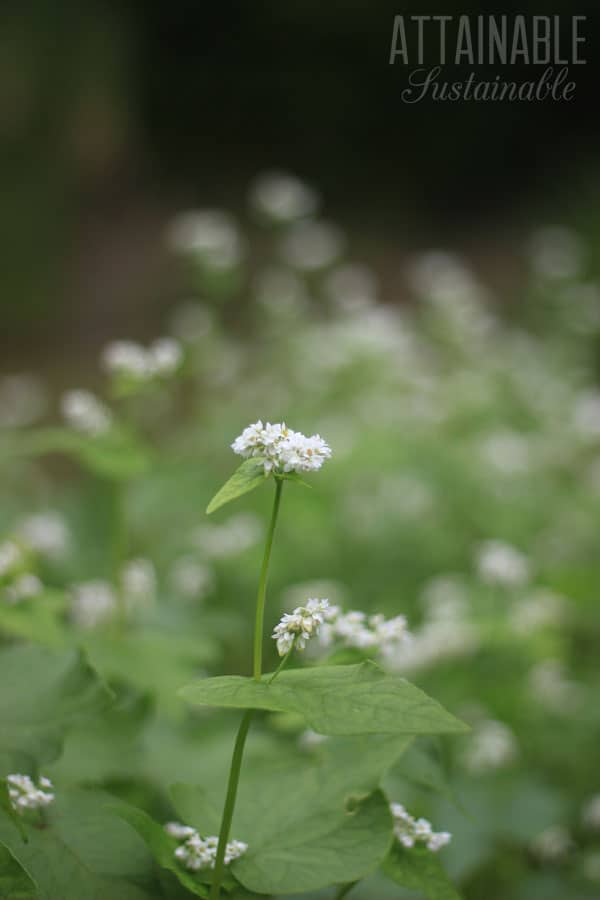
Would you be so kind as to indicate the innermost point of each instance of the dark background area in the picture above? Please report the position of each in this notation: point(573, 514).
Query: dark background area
point(113, 115)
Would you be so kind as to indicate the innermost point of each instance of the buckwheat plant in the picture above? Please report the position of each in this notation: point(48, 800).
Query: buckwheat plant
point(358, 702)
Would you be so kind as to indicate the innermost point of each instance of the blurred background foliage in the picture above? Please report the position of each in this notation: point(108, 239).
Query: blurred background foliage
point(460, 398)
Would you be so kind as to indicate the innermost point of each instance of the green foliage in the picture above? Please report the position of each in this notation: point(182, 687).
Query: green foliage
point(420, 870)
point(82, 851)
point(15, 883)
point(358, 699)
point(246, 478)
point(43, 695)
point(117, 455)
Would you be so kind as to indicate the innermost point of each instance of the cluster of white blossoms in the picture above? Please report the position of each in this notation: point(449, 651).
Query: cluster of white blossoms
point(296, 628)
point(196, 852)
point(23, 400)
point(25, 794)
point(84, 412)
point(409, 831)
point(282, 449)
point(590, 814)
point(128, 359)
point(363, 632)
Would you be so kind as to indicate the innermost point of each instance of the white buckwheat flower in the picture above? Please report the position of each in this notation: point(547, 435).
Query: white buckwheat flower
point(130, 360)
point(409, 831)
point(283, 450)
point(84, 412)
point(25, 794)
point(200, 853)
point(298, 627)
point(138, 584)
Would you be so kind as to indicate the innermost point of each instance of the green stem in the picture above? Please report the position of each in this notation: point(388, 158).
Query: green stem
point(262, 584)
point(282, 664)
point(232, 786)
point(240, 741)
point(345, 890)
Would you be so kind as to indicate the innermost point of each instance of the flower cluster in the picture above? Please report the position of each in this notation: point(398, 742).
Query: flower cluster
point(126, 359)
point(11, 558)
point(409, 831)
point(93, 603)
point(24, 794)
point(282, 449)
point(24, 585)
point(492, 746)
point(46, 533)
point(84, 412)
point(364, 632)
point(196, 852)
point(296, 628)
point(283, 198)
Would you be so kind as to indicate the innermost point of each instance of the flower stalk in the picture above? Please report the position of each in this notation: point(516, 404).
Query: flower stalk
point(240, 741)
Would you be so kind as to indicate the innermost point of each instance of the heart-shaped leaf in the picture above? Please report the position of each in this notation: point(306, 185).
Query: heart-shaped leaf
point(358, 699)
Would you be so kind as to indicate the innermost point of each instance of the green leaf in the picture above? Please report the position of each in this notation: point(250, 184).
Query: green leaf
point(15, 883)
point(10, 811)
point(151, 660)
point(35, 619)
point(359, 699)
point(250, 474)
point(115, 455)
point(420, 870)
point(161, 845)
point(83, 852)
point(308, 823)
point(43, 695)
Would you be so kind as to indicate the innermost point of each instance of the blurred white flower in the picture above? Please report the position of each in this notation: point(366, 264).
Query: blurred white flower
point(556, 252)
point(23, 400)
point(549, 685)
point(352, 288)
point(47, 533)
point(433, 643)
point(93, 603)
point(507, 451)
point(296, 628)
point(586, 415)
point(384, 637)
point(500, 563)
point(282, 449)
point(179, 831)
point(492, 745)
point(25, 794)
point(24, 586)
point(191, 578)
point(553, 844)
point(84, 412)
point(310, 246)
point(309, 740)
point(590, 814)
point(283, 198)
point(11, 557)
point(210, 235)
point(138, 584)
point(130, 360)
point(539, 609)
point(444, 598)
point(281, 294)
point(409, 831)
